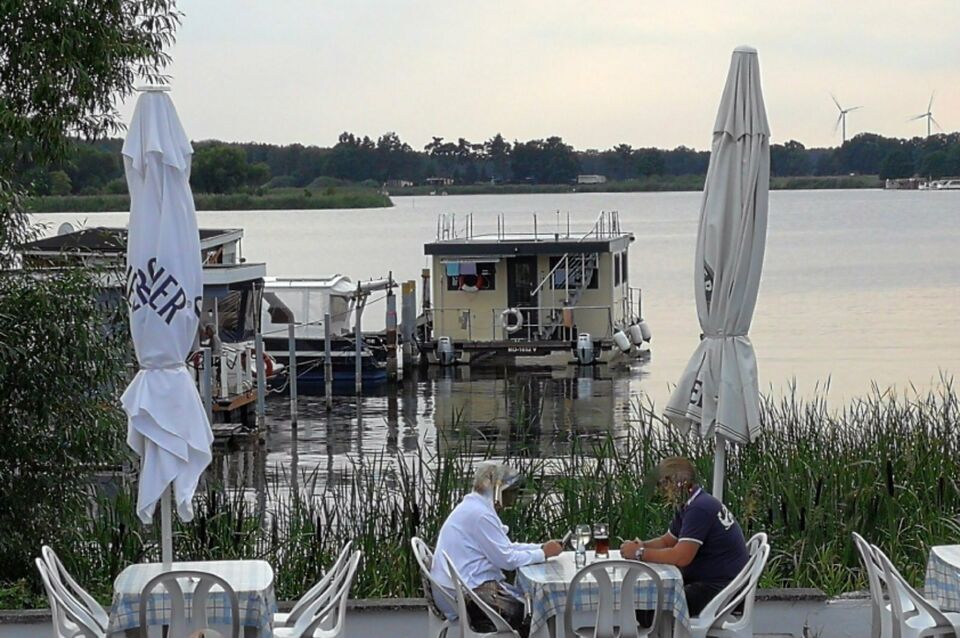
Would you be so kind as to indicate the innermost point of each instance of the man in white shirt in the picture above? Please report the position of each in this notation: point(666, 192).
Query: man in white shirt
point(477, 543)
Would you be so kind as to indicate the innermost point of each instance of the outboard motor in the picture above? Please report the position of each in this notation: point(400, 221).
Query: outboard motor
point(585, 355)
point(446, 354)
point(622, 341)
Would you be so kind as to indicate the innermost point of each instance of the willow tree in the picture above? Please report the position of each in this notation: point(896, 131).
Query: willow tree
point(64, 67)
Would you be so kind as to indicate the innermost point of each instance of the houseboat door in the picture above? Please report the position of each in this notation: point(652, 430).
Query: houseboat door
point(521, 281)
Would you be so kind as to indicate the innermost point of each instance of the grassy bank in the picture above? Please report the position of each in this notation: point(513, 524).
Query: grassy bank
point(645, 184)
point(885, 466)
point(281, 199)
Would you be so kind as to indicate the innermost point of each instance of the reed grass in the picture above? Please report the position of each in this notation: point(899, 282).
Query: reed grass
point(886, 466)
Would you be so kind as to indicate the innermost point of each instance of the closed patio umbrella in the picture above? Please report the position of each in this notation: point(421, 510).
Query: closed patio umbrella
point(167, 423)
point(718, 392)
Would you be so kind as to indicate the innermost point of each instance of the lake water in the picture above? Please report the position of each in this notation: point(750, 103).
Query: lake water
point(859, 288)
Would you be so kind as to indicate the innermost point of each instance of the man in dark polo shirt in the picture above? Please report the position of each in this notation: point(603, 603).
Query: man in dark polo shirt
point(704, 540)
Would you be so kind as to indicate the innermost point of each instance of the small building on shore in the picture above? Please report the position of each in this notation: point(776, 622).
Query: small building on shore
point(591, 179)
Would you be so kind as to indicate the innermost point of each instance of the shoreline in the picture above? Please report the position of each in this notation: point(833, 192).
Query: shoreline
point(365, 198)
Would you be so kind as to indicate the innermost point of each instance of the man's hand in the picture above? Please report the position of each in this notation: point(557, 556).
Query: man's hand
point(629, 549)
point(551, 548)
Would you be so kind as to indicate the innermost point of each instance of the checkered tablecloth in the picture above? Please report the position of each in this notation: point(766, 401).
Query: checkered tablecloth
point(252, 580)
point(547, 583)
point(942, 584)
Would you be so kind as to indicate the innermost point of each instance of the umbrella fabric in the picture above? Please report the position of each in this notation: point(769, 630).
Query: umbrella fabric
point(718, 392)
point(167, 424)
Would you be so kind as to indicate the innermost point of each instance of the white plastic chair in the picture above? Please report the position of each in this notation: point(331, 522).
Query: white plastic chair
point(181, 622)
point(717, 618)
point(881, 625)
point(927, 619)
point(604, 623)
point(438, 625)
point(502, 627)
point(290, 619)
point(325, 617)
point(758, 539)
point(70, 590)
point(69, 620)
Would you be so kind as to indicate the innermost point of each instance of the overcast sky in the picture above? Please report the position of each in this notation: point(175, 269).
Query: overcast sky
point(596, 73)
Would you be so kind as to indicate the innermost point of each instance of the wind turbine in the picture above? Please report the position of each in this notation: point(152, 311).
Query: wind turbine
point(843, 117)
point(928, 115)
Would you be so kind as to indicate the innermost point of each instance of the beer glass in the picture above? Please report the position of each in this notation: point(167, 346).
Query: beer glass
point(601, 541)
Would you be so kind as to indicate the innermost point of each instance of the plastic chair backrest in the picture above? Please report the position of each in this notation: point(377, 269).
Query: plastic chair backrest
point(758, 539)
point(325, 617)
point(875, 578)
point(322, 585)
point(69, 620)
point(182, 623)
point(71, 590)
point(424, 556)
point(743, 589)
point(501, 626)
point(604, 621)
point(900, 589)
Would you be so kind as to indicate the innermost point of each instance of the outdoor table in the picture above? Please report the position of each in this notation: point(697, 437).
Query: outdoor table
point(546, 585)
point(942, 583)
point(252, 580)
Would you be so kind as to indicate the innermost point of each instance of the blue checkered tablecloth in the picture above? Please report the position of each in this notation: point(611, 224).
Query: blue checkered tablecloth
point(252, 580)
point(547, 583)
point(942, 583)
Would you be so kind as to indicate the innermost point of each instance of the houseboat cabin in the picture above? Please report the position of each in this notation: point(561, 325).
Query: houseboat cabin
point(545, 298)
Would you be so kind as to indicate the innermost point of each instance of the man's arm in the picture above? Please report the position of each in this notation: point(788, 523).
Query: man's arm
point(503, 553)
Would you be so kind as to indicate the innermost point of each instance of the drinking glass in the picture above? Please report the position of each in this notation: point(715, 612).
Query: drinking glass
point(582, 534)
point(601, 541)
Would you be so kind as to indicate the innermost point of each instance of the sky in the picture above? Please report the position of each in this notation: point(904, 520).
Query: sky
point(595, 73)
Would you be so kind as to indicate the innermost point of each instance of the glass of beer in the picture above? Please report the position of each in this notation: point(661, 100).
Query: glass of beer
point(601, 541)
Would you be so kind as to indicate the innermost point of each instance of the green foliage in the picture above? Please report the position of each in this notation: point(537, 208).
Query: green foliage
point(66, 62)
point(222, 169)
point(60, 183)
point(62, 367)
point(547, 161)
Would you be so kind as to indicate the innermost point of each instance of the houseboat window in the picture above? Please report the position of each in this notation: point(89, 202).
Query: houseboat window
point(560, 274)
point(471, 276)
point(616, 270)
point(623, 267)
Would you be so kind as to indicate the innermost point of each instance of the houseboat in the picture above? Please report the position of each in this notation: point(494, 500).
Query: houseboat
point(304, 303)
point(537, 297)
point(230, 315)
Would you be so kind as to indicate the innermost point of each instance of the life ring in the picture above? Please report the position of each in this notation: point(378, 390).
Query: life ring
point(465, 287)
point(505, 320)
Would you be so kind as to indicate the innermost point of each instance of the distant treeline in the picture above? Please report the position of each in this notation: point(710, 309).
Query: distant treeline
point(220, 167)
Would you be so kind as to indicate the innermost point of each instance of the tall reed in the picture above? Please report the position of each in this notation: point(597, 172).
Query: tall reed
point(885, 466)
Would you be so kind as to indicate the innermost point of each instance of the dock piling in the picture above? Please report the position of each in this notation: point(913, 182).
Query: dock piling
point(207, 384)
point(408, 318)
point(358, 348)
point(292, 373)
point(327, 364)
point(261, 381)
point(393, 371)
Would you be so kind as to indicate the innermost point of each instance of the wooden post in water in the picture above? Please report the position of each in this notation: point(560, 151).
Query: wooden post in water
point(358, 345)
point(393, 371)
point(327, 363)
point(425, 298)
point(408, 318)
point(207, 384)
point(292, 373)
point(261, 381)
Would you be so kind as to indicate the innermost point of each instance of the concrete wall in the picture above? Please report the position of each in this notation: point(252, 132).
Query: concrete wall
point(778, 613)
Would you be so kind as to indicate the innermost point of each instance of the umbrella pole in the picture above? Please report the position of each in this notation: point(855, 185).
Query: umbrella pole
point(166, 529)
point(719, 464)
